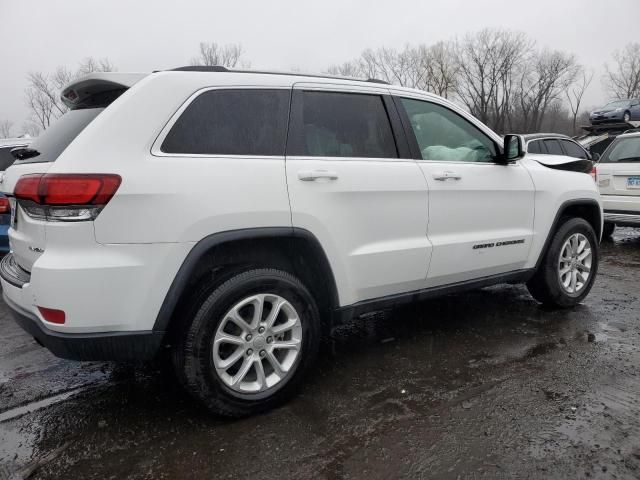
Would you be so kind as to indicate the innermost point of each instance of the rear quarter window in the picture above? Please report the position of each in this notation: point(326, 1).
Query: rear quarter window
point(232, 122)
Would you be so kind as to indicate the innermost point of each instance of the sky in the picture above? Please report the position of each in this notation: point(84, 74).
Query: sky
point(144, 35)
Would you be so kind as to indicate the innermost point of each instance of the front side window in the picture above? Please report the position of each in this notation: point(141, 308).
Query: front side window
point(553, 146)
point(444, 135)
point(573, 150)
point(232, 122)
point(622, 150)
point(330, 124)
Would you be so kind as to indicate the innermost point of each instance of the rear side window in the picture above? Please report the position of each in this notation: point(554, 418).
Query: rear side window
point(6, 159)
point(622, 150)
point(53, 141)
point(232, 122)
point(329, 124)
point(573, 150)
point(554, 148)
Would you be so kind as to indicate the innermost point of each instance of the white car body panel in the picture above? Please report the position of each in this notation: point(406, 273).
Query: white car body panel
point(385, 225)
point(621, 201)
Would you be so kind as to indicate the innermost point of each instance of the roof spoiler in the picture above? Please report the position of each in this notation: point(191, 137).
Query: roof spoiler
point(79, 92)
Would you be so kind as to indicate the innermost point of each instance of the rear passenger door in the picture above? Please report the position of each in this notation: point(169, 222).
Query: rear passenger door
point(354, 186)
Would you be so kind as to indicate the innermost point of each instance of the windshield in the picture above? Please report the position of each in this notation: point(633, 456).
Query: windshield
point(622, 150)
point(616, 104)
point(52, 142)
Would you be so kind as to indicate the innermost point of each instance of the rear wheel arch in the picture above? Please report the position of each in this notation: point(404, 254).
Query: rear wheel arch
point(225, 254)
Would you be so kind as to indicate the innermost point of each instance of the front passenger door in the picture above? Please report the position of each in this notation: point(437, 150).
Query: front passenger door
point(480, 212)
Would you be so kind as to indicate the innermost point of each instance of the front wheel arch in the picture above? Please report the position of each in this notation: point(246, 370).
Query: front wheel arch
point(587, 209)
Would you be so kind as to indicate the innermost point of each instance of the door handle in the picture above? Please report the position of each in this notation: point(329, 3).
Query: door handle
point(443, 176)
point(311, 175)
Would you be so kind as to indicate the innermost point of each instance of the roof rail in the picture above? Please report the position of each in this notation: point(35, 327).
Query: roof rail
point(201, 68)
point(220, 68)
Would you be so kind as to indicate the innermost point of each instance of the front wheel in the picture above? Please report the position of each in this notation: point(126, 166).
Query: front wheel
point(249, 343)
point(567, 271)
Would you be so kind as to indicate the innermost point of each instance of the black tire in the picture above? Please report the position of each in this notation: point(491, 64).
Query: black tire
point(545, 285)
point(608, 229)
point(192, 355)
point(626, 118)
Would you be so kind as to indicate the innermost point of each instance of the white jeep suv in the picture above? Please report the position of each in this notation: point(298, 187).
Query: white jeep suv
point(231, 218)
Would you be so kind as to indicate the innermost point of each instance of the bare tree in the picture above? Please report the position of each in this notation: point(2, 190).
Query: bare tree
point(42, 94)
point(441, 69)
point(487, 64)
point(5, 128)
point(212, 54)
point(622, 80)
point(575, 92)
point(542, 84)
point(430, 68)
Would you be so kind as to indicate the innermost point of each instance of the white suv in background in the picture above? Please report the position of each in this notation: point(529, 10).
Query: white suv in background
point(618, 177)
point(232, 217)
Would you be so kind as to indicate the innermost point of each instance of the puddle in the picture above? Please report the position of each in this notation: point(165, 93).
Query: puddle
point(33, 406)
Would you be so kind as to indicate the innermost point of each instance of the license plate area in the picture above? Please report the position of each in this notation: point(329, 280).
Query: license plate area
point(633, 182)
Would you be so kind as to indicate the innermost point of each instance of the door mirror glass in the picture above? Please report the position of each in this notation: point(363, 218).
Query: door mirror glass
point(512, 148)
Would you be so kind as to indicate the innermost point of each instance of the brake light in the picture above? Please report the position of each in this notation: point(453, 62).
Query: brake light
point(5, 207)
point(594, 174)
point(65, 197)
point(52, 315)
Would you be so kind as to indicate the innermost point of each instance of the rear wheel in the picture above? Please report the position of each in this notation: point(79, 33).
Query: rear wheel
point(608, 229)
point(569, 267)
point(249, 343)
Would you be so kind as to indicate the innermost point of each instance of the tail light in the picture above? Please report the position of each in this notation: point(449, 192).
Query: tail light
point(65, 197)
point(594, 174)
point(5, 206)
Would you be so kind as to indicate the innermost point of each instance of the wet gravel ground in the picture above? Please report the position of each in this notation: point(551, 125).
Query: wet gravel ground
point(481, 385)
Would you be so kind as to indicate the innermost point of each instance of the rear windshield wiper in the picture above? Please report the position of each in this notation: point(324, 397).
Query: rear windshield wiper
point(22, 153)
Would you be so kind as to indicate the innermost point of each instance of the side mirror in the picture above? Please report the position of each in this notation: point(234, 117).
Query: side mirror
point(513, 148)
point(595, 156)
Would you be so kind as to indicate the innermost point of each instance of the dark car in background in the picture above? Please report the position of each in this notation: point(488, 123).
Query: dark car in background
point(6, 160)
point(554, 144)
point(624, 110)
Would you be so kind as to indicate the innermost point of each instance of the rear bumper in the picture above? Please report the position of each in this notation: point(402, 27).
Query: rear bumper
point(119, 346)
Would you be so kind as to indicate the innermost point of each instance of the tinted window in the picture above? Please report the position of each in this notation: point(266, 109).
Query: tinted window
point(536, 147)
point(328, 124)
point(445, 135)
point(573, 150)
point(553, 147)
point(232, 122)
point(623, 150)
point(6, 159)
point(53, 141)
